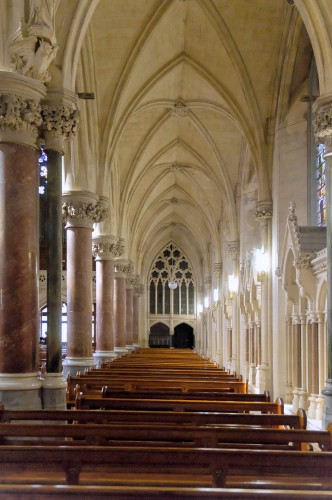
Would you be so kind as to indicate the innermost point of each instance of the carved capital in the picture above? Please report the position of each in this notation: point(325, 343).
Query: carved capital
point(263, 210)
point(217, 268)
point(131, 281)
point(179, 109)
point(59, 123)
point(19, 116)
point(233, 248)
point(124, 267)
point(323, 124)
point(80, 209)
point(105, 247)
point(303, 261)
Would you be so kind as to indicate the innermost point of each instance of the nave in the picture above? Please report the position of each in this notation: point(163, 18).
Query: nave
point(162, 423)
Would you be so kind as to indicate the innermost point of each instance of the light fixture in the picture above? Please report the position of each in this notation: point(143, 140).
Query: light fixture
point(261, 263)
point(233, 285)
point(172, 284)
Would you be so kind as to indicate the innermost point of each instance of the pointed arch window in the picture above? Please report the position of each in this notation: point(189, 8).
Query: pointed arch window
point(172, 287)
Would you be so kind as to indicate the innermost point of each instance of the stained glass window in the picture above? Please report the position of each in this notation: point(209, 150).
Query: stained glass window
point(320, 185)
point(42, 172)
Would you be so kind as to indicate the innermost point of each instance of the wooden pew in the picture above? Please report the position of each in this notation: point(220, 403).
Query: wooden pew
point(88, 403)
point(118, 434)
point(165, 466)
point(159, 418)
point(88, 492)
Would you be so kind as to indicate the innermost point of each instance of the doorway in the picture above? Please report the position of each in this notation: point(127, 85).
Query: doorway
point(183, 337)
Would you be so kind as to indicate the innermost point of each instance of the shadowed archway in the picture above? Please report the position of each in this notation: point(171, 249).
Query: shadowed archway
point(183, 337)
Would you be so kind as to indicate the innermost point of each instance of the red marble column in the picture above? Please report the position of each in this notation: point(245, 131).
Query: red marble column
point(81, 210)
point(19, 243)
point(136, 318)
point(105, 249)
point(129, 315)
point(123, 268)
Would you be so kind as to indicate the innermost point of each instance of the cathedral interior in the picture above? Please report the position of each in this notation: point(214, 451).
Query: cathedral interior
point(165, 182)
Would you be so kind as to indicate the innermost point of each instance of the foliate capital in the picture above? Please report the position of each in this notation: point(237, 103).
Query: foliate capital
point(233, 248)
point(60, 122)
point(105, 247)
point(80, 209)
point(263, 210)
point(217, 268)
point(322, 122)
point(124, 267)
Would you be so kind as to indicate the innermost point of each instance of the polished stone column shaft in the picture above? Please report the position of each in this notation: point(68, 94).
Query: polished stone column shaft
point(104, 305)
point(129, 317)
point(120, 313)
point(54, 261)
point(19, 259)
point(136, 319)
point(79, 300)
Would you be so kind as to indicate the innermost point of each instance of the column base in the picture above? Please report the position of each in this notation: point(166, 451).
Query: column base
point(120, 351)
point(73, 365)
point(54, 391)
point(262, 378)
point(296, 394)
point(137, 346)
point(288, 394)
point(101, 357)
point(252, 374)
point(327, 412)
point(21, 391)
point(130, 348)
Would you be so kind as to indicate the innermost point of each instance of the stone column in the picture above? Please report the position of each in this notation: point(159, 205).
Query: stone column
point(323, 133)
point(289, 351)
point(217, 270)
point(60, 123)
point(20, 116)
point(122, 267)
point(297, 374)
point(263, 372)
point(130, 283)
point(313, 385)
point(105, 249)
point(207, 310)
point(233, 252)
point(81, 211)
point(138, 290)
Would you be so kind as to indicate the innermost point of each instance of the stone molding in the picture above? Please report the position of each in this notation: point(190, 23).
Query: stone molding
point(81, 209)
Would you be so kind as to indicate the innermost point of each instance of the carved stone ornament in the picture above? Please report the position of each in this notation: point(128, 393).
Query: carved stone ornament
point(124, 267)
point(217, 268)
point(131, 281)
point(263, 210)
point(323, 125)
point(79, 214)
point(61, 121)
point(105, 250)
point(233, 248)
point(179, 109)
point(303, 261)
point(19, 115)
point(291, 212)
point(176, 167)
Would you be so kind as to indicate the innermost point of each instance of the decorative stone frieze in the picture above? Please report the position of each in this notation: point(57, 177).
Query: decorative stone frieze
point(105, 248)
point(179, 109)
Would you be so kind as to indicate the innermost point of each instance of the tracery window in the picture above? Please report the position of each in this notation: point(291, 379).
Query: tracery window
point(172, 287)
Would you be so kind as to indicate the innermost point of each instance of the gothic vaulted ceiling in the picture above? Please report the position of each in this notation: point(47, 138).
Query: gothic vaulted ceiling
point(184, 90)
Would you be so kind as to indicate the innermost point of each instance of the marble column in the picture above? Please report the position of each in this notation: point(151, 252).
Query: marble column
point(130, 281)
point(138, 290)
point(323, 133)
point(20, 117)
point(233, 252)
point(60, 123)
point(81, 211)
point(105, 249)
point(122, 268)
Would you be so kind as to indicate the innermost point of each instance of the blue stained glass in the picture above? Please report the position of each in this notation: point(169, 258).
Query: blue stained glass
point(42, 172)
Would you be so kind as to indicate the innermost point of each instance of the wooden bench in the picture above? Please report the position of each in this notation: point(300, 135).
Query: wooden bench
point(112, 465)
point(159, 418)
point(88, 403)
point(171, 435)
point(88, 492)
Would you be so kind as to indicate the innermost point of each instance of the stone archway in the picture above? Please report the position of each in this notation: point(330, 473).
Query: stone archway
point(183, 337)
point(159, 336)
